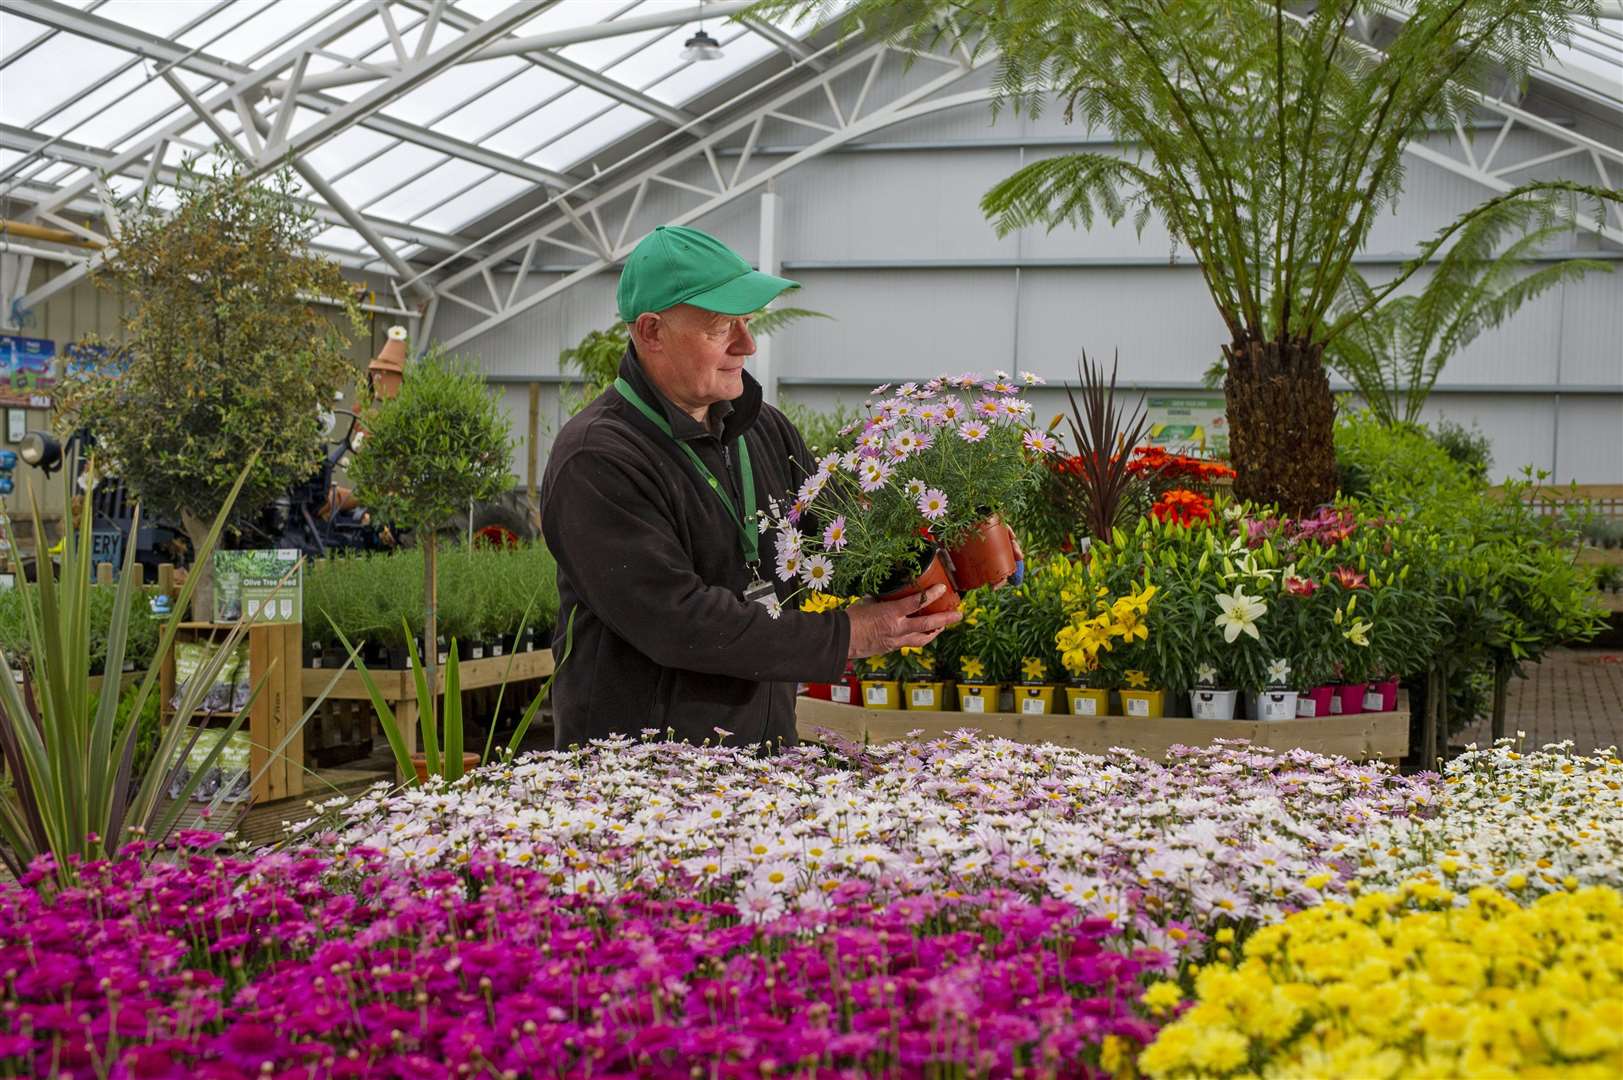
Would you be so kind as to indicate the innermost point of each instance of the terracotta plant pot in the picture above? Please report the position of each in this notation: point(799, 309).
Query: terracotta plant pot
point(936, 572)
point(1315, 702)
point(420, 763)
point(985, 558)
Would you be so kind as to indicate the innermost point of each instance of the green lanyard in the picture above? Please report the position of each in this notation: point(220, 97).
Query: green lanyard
point(748, 538)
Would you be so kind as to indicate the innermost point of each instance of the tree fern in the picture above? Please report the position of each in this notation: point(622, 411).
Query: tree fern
point(1267, 141)
point(1395, 349)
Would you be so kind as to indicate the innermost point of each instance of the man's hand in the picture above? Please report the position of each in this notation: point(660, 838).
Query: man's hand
point(882, 626)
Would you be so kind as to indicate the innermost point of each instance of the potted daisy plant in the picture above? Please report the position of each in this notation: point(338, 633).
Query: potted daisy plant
point(921, 497)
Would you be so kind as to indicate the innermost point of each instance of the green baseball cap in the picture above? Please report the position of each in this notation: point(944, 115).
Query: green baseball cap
point(677, 265)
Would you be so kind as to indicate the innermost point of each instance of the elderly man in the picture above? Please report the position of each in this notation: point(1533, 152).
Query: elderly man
point(645, 505)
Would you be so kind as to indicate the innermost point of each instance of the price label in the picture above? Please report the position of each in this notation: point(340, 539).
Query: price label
point(1085, 706)
point(840, 693)
point(1138, 707)
point(923, 698)
point(1033, 706)
point(1374, 701)
point(974, 703)
point(878, 695)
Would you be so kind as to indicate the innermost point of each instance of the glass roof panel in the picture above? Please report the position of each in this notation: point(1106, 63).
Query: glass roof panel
point(473, 203)
point(694, 78)
point(525, 136)
point(346, 148)
point(365, 184)
point(17, 33)
point(604, 52)
point(266, 21)
point(463, 83)
point(52, 73)
point(650, 64)
point(160, 17)
point(427, 190)
point(590, 137)
point(505, 103)
point(110, 111)
point(340, 237)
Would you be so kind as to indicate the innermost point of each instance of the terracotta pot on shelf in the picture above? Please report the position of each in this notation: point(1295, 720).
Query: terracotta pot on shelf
point(420, 763)
point(936, 572)
point(986, 557)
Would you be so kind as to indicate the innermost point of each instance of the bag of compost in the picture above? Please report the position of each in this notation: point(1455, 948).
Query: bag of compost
point(190, 656)
point(218, 698)
point(242, 686)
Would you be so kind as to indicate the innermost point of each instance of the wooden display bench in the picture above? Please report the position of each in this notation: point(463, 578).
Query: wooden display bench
point(274, 651)
point(1362, 736)
point(399, 687)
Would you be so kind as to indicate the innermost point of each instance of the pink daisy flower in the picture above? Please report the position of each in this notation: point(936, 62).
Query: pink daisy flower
point(973, 431)
point(834, 536)
point(933, 504)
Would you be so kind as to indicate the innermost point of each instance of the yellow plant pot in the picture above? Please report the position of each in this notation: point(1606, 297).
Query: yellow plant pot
point(882, 693)
point(977, 697)
point(930, 696)
point(1144, 704)
point(1083, 701)
point(1034, 700)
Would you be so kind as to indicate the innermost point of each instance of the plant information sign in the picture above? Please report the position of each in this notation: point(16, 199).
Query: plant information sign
point(259, 586)
point(1189, 424)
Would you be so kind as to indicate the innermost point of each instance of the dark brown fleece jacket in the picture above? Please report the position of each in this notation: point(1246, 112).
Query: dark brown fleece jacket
point(650, 564)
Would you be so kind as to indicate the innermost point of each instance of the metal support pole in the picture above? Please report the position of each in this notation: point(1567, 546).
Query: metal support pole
point(771, 263)
point(1501, 683)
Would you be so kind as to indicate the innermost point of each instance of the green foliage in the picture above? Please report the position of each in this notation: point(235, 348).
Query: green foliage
point(1393, 353)
point(442, 443)
point(223, 357)
point(378, 599)
point(596, 357)
point(69, 758)
point(1267, 137)
point(141, 633)
point(1469, 447)
point(1397, 464)
point(821, 428)
point(1502, 564)
point(447, 765)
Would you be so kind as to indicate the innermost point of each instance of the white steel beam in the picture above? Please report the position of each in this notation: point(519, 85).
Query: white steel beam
point(96, 159)
point(919, 101)
point(577, 73)
point(409, 76)
point(251, 83)
point(785, 43)
point(554, 39)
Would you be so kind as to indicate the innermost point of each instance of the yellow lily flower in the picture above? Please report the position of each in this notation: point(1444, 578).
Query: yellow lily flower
point(1033, 669)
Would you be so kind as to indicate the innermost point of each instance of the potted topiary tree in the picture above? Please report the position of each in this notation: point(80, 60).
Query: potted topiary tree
point(223, 355)
point(442, 442)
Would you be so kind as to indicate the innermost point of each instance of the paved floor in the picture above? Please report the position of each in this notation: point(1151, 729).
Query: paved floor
point(1574, 694)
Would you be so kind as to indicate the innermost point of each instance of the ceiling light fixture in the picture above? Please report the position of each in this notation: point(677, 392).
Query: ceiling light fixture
point(701, 46)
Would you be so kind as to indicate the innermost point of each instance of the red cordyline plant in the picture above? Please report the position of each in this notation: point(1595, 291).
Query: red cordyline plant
point(1103, 432)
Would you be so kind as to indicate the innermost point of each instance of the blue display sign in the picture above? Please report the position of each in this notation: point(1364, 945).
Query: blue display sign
point(27, 370)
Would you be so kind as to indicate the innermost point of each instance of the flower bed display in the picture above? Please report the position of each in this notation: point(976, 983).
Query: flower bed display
point(1408, 984)
point(959, 906)
point(297, 964)
point(1152, 847)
